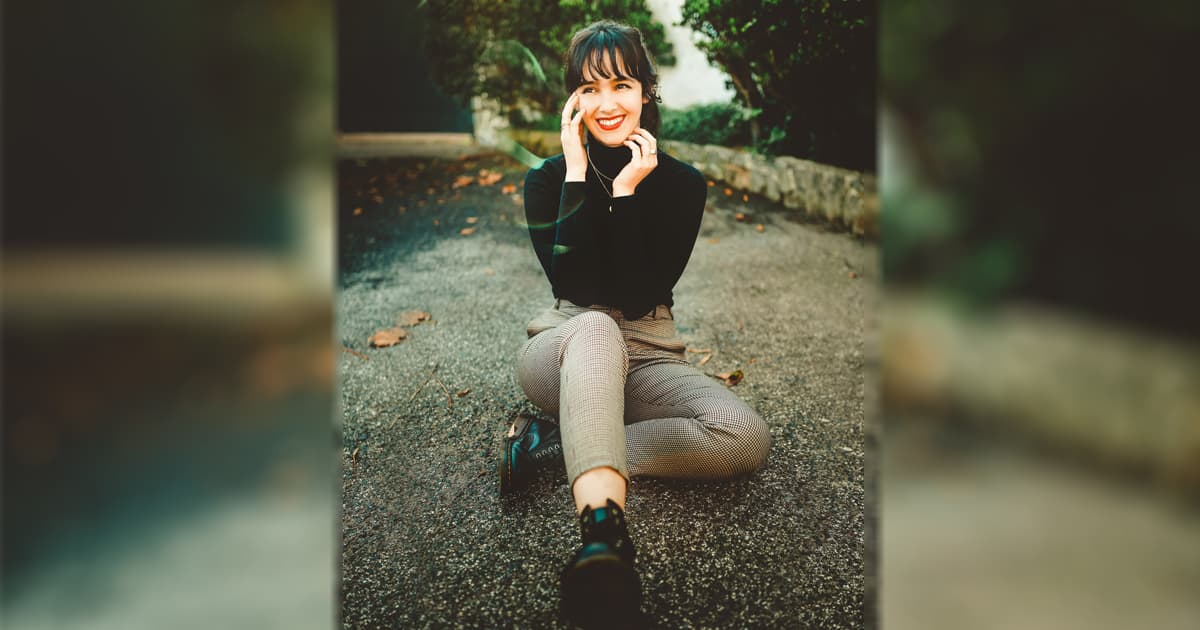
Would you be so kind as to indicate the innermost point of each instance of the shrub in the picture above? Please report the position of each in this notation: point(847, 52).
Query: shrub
point(723, 124)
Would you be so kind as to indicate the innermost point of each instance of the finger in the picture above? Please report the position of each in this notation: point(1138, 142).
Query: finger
point(569, 107)
point(653, 141)
point(643, 143)
point(635, 147)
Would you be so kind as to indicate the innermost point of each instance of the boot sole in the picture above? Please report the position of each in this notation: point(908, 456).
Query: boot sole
point(602, 591)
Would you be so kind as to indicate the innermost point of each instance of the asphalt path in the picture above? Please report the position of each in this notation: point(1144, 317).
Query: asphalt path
point(426, 540)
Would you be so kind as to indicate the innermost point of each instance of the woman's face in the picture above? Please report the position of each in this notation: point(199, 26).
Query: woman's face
point(612, 107)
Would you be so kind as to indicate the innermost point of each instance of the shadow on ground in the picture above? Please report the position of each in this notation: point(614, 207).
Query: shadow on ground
point(427, 541)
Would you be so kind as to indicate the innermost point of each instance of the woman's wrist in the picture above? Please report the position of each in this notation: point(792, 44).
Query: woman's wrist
point(620, 190)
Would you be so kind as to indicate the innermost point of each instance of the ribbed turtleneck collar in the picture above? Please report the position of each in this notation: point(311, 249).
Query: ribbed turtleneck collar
point(610, 160)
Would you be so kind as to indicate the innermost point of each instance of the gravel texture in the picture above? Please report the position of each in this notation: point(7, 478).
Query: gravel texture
point(427, 542)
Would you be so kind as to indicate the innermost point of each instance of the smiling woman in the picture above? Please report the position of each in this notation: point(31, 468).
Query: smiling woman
point(613, 222)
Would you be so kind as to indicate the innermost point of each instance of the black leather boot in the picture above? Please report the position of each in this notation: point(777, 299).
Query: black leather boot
point(600, 588)
point(530, 447)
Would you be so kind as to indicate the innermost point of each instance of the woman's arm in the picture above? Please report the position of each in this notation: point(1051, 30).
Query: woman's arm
point(556, 225)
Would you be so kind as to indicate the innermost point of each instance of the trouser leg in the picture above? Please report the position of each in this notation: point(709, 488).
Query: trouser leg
point(576, 371)
point(685, 424)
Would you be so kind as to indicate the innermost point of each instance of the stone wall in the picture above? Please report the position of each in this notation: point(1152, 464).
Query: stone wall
point(847, 200)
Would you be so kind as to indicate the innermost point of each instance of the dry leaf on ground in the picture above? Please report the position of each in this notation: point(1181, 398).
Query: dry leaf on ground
point(711, 183)
point(741, 216)
point(728, 192)
point(387, 337)
point(705, 359)
point(731, 378)
point(759, 227)
point(509, 189)
point(357, 211)
point(462, 180)
point(472, 220)
point(489, 271)
point(464, 392)
point(467, 231)
point(745, 198)
point(487, 178)
point(411, 318)
point(713, 241)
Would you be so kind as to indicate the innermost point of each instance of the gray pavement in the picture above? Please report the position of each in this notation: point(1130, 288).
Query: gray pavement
point(426, 540)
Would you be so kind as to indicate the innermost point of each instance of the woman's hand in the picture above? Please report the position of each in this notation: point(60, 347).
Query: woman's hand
point(572, 140)
point(645, 158)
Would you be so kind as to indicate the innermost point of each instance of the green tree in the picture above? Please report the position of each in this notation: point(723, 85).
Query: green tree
point(805, 68)
point(512, 50)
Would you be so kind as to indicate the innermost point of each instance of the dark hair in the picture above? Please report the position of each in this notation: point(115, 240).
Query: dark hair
point(599, 42)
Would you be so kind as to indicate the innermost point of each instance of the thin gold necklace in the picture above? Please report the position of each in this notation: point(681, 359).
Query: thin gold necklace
point(602, 176)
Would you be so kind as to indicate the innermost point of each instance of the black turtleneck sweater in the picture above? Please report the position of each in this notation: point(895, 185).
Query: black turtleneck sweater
point(629, 257)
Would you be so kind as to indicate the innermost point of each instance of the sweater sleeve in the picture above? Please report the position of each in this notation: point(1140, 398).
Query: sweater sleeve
point(555, 224)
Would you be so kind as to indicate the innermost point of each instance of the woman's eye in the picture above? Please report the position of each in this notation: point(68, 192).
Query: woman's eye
point(623, 86)
point(588, 90)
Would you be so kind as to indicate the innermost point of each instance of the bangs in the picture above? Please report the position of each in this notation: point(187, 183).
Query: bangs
point(598, 56)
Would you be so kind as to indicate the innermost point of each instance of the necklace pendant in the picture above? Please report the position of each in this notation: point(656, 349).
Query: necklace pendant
point(610, 207)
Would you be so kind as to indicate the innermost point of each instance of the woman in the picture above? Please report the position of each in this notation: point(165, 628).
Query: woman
point(613, 222)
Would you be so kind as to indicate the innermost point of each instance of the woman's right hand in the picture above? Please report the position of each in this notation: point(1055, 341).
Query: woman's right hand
point(572, 140)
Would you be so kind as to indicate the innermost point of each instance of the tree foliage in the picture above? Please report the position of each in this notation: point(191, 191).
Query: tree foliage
point(806, 68)
point(513, 50)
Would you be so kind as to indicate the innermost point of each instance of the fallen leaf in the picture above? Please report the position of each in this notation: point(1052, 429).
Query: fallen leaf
point(387, 337)
point(462, 180)
point(711, 183)
point(517, 200)
point(745, 198)
point(377, 199)
point(853, 275)
point(509, 189)
point(467, 231)
point(847, 449)
point(489, 178)
point(357, 211)
point(436, 223)
point(464, 392)
point(751, 361)
point(430, 191)
point(472, 220)
point(489, 271)
point(411, 318)
point(728, 192)
point(741, 216)
point(734, 378)
point(705, 359)
point(759, 227)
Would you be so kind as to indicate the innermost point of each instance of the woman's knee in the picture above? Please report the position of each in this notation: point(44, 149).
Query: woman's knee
point(750, 439)
point(593, 329)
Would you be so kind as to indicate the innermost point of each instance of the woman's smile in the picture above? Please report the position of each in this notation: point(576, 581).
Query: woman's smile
point(611, 123)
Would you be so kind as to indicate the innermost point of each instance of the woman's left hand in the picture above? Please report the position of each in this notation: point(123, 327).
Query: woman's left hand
point(645, 158)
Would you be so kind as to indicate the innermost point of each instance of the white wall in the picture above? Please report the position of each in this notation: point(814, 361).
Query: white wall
point(691, 80)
